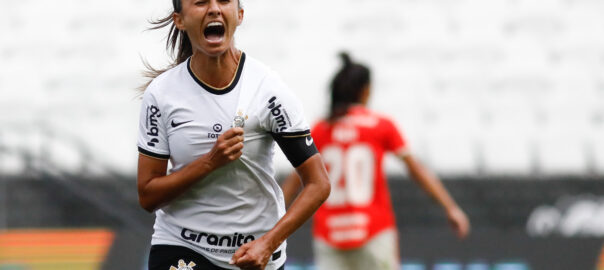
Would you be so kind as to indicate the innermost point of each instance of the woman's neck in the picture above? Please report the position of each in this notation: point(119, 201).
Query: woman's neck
point(217, 72)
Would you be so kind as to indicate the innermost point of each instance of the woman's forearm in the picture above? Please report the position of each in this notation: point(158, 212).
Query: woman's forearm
point(291, 187)
point(315, 191)
point(161, 189)
point(430, 184)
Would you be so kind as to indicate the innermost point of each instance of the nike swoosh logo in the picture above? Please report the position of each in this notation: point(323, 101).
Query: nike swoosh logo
point(178, 124)
point(309, 140)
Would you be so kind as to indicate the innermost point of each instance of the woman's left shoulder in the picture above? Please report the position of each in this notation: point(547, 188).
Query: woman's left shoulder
point(255, 65)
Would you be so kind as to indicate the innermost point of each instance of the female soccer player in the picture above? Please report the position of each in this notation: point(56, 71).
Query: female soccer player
point(355, 228)
point(214, 114)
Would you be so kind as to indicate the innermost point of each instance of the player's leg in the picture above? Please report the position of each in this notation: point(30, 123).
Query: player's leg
point(166, 257)
point(329, 258)
point(380, 253)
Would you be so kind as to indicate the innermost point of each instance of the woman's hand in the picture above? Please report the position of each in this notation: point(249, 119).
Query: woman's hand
point(228, 147)
point(253, 255)
point(459, 222)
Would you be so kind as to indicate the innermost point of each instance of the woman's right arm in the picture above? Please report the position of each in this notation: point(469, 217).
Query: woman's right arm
point(156, 188)
point(291, 187)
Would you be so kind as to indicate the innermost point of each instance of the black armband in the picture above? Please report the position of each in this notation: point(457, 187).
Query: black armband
point(297, 146)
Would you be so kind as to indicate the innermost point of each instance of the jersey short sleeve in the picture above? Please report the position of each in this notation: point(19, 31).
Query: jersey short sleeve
point(152, 138)
point(282, 115)
point(282, 112)
point(393, 139)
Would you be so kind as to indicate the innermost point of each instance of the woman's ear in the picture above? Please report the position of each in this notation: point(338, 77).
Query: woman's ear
point(239, 16)
point(177, 18)
point(365, 93)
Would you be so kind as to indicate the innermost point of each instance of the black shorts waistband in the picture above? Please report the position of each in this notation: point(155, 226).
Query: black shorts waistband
point(162, 257)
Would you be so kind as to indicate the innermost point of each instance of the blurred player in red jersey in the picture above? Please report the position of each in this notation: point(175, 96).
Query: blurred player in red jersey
point(355, 228)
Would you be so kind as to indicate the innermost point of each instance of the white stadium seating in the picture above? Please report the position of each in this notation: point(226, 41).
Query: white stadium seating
point(499, 87)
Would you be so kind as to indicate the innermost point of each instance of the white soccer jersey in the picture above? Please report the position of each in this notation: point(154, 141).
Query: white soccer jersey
point(181, 117)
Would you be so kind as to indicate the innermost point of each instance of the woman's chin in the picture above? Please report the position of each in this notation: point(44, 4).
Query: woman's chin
point(215, 49)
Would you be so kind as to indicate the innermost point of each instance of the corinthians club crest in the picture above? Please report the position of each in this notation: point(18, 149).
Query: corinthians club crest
point(239, 120)
point(183, 266)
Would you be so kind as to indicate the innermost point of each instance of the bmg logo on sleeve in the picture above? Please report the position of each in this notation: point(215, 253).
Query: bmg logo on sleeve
point(153, 114)
point(279, 114)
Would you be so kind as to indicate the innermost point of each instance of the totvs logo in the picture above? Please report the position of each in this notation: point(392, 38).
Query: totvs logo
point(278, 113)
point(217, 128)
point(152, 130)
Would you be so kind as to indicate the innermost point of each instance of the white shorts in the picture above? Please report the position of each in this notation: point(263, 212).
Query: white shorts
point(380, 253)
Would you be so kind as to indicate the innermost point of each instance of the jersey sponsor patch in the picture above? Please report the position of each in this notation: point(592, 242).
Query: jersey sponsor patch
point(279, 114)
point(217, 128)
point(235, 240)
point(153, 113)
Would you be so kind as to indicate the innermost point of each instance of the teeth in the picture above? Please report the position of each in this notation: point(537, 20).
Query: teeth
point(214, 24)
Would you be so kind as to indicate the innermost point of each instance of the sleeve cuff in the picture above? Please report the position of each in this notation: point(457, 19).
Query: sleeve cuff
point(148, 153)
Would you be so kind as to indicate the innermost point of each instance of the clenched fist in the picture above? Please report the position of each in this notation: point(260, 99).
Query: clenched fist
point(228, 147)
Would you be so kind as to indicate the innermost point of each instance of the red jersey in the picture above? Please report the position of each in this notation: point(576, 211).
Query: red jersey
point(359, 205)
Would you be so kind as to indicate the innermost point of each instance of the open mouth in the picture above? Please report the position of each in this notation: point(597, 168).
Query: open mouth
point(214, 31)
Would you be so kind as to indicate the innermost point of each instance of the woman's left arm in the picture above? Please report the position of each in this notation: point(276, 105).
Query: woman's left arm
point(435, 189)
point(255, 254)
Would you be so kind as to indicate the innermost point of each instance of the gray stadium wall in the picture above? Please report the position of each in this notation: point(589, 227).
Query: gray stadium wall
point(553, 223)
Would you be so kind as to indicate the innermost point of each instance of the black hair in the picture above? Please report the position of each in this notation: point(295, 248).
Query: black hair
point(177, 5)
point(178, 43)
point(347, 86)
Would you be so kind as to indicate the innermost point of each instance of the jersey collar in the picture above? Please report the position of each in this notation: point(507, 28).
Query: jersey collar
point(214, 90)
